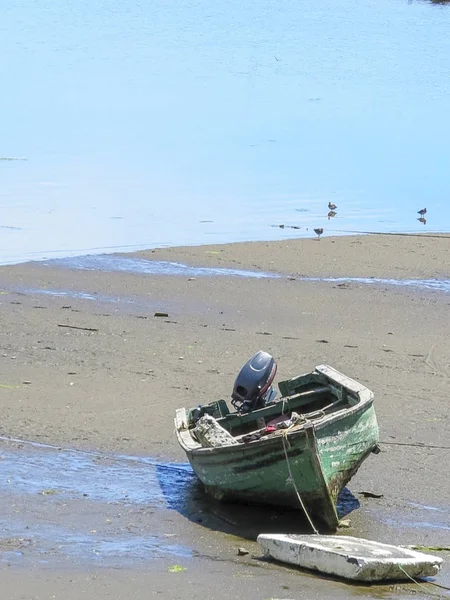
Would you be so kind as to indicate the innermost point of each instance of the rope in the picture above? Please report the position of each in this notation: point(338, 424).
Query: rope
point(439, 585)
point(291, 479)
point(419, 584)
point(417, 445)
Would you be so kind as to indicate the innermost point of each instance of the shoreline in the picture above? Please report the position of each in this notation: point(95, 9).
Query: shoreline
point(347, 256)
point(137, 250)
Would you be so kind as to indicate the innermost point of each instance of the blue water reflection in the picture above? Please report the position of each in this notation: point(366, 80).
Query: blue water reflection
point(58, 498)
point(177, 123)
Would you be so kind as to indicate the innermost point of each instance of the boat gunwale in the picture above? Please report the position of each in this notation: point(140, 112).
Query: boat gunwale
point(269, 439)
point(365, 396)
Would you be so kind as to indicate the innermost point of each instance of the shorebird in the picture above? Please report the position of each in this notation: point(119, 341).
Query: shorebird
point(319, 232)
point(422, 212)
point(331, 214)
point(422, 220)
point(331, 206)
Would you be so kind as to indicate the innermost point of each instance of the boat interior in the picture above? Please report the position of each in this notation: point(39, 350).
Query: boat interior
point(311, 398)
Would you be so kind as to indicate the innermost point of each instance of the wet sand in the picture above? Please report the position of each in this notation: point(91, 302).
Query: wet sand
point(102, 375)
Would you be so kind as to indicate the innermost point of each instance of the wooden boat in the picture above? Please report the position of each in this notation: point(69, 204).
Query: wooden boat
point(299, 451)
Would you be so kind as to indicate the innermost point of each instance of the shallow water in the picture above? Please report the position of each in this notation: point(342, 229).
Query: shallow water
point(87, 506)
point(66, 507)
point(418, 517)
point(116, 263)
point(146, 125)
point(115, 509)
point(118, 510)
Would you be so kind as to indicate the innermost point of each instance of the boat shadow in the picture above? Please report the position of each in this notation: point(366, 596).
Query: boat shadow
point(184, 493)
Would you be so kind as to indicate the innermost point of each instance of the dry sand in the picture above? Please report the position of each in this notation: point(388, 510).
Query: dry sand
point(107, 375)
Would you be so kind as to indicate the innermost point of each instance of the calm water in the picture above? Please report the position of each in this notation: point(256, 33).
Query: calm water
point(118, 510)
point(164, 123)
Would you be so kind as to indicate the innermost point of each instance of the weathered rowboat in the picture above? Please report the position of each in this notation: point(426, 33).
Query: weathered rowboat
point(299, 451)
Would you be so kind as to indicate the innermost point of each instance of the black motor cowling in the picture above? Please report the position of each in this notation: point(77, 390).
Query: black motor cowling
point(253, 386)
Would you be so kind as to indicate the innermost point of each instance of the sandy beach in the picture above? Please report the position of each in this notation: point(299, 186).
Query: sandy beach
point(101, 374)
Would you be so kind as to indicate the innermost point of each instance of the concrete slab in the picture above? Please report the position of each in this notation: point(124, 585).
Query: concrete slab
point(350, 557)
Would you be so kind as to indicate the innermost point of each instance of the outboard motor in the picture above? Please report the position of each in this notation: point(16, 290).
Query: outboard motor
point(253, 386)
